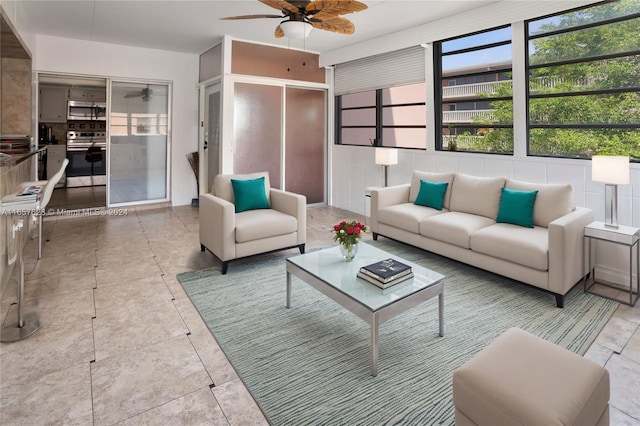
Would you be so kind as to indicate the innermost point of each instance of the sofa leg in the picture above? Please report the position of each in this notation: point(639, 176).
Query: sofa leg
point(301, 248)
point(202, 247)
point(559, 300)
point(225, 266)
point(375, 236)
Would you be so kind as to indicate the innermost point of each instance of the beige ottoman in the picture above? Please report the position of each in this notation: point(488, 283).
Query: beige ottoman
point(520, 379)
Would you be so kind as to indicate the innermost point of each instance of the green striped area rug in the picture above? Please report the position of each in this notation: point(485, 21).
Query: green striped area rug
point(311, 364)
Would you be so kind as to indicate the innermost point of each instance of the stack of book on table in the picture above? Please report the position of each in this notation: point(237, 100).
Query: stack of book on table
point(386, 273)
point(27, 195)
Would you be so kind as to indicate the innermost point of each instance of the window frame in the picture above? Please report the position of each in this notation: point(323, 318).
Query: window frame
point(379, 117)
point(582, 60)
point(439, 101)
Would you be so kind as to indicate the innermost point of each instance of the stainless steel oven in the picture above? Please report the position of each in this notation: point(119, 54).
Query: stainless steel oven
point(87, 154)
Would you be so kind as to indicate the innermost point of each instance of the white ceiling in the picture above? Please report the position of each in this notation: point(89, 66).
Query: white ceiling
point(195, 26)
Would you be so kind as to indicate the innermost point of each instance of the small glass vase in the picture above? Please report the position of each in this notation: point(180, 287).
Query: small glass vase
point(348, 251)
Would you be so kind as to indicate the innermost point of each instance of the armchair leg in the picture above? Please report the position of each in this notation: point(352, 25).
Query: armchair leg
point(202, 247)
point(225, 266)
point(301, 248)
point(559, 300)
point(375, 236)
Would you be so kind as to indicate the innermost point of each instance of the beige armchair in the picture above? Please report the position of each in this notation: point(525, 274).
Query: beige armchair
point(229, 235)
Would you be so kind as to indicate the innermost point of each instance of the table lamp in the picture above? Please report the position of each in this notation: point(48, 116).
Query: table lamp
point(386, 157)
point(612, 171)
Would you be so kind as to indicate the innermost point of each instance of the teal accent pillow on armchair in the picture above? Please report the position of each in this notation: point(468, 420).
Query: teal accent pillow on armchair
point(431, 194)
point(516, 207)
point(250, 194)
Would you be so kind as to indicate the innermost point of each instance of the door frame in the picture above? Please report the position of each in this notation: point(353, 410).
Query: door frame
point(203, 125)
point(169, 85)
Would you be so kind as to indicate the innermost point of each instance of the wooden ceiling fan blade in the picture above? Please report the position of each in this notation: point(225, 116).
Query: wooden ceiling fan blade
point(232, 18)
point(334, 24)
point(279, 33)
point(281, 5)
point(334, 7)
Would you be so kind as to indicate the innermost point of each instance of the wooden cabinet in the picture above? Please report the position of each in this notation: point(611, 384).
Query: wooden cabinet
point(53, 104)
point(87, 94)
point(97, 95)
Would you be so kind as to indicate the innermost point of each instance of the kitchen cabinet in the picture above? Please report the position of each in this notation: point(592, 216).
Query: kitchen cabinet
point(53, 104)
point(87, 94)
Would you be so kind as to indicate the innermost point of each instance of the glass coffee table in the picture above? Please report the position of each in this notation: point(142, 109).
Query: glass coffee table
point(326, 271)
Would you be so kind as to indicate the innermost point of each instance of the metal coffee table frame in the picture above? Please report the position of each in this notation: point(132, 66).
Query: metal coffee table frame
point(373, 317)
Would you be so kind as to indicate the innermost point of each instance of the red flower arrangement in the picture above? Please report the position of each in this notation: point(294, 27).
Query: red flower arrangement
point(348, 233)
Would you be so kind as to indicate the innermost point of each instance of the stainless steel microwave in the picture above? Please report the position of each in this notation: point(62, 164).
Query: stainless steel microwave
point(79, 110)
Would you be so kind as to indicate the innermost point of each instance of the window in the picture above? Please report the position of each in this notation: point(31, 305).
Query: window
point(474, 96)
point(124, 124)
point(356, 118)
point(394, 117)
point(584, 82)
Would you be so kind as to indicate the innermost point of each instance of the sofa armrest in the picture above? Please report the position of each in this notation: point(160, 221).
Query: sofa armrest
point(218, 226)
point(566, 249)
point(294, 205)
point(384, 197)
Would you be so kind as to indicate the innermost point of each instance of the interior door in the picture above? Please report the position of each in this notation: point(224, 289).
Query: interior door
point(305, 143)
point(139, 129)
point(211, 147)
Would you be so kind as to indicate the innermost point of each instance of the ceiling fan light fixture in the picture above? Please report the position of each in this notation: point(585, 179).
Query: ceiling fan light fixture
point(296, 29)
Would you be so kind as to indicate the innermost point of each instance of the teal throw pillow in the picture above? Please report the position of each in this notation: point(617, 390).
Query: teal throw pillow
point(250, 194)
point(516, 207)
point(431, 194)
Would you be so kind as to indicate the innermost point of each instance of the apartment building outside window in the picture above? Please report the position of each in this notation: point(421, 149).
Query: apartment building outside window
point(391, 117)
point(584, 82)
point(474, 92)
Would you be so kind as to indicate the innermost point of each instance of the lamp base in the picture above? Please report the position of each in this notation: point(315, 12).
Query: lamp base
point(611, 206)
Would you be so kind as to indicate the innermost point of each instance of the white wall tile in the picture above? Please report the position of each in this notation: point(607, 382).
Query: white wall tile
point(470, 166)
point(446, 164)
point(497, 168)
point(530, 171)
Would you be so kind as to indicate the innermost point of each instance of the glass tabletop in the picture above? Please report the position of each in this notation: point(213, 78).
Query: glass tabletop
point(329, 266)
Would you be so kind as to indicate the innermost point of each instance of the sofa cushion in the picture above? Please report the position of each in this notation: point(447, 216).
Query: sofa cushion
point(516, 207)
point(524, 246)
point(476, 195)
point(222, 187)
point(406, 216)
point(453, 227)
point(250, 194)
point(259, 224)
point(431, 194)
point(553, 200)
point(431, 177)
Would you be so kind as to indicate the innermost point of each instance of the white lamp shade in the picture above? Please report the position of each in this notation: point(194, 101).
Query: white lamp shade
point(386, 156)
point(295, 29)
point(610, 169)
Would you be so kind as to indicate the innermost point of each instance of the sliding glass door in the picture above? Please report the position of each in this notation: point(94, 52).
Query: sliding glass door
point(139, 128)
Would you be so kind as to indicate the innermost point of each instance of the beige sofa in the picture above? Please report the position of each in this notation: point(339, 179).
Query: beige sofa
point(229, 235)
point(548, 256)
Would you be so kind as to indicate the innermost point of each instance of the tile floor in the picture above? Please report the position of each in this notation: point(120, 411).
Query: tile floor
point(120, 342)
point(78, 198)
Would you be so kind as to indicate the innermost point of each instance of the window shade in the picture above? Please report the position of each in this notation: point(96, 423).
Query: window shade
point(404, 66)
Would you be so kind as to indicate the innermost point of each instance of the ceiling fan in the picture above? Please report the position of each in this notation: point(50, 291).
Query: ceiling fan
point(300, 16)
point(145, 94)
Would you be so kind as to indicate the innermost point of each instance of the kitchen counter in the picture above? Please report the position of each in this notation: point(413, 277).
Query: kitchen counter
point(17, 155)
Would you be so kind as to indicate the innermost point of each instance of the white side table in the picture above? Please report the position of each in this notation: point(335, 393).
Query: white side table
point(367, 194)
point(624, 235)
